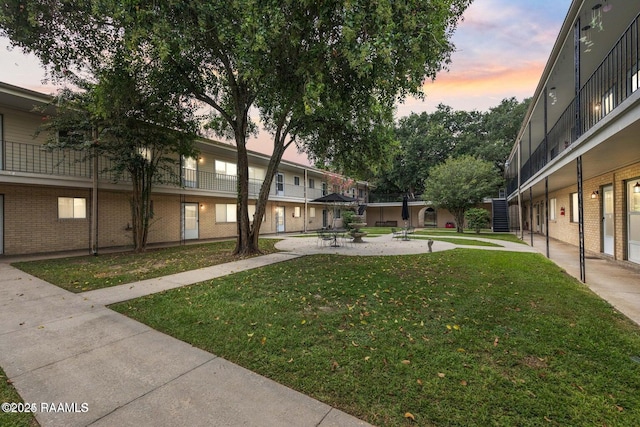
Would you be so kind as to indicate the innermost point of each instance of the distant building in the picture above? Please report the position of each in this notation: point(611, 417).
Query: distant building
point(574, 170)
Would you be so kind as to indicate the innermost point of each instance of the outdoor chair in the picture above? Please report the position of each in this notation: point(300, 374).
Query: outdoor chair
point(397, 232)
point(324, 237)
point(346, 239)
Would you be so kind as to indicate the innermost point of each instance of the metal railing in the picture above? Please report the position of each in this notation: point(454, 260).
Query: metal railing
point(36, 159)
point(613, 81)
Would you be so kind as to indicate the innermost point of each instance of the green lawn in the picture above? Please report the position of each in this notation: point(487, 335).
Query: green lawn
point(8, 394)
point(80, 274)
point(457, 241)
point(486, 234)
point(457, 338)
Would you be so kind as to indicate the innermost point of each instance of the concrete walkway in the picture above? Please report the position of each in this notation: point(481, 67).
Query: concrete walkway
point(617, 284)
point(63, 348)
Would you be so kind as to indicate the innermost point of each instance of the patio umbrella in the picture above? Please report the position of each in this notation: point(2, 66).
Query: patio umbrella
point(405, 208)
point(335, 199)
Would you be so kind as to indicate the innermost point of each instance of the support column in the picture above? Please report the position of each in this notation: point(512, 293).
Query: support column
point(94, 199)
point(531, 214)
point(581, 221)
point(546, 211)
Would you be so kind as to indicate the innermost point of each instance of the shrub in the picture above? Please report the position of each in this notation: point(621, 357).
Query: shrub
point(477, 218)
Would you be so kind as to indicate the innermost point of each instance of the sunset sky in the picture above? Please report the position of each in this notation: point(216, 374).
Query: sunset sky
point(501, 48)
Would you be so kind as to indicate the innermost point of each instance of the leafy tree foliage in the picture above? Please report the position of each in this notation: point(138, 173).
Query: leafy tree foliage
point(477, 219)
point(138, 130)
point(459, 184)
point(428, 139)
point(324, 75)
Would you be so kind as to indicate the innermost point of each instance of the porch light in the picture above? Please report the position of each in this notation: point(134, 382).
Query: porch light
point(595, 194)
point(636, 188)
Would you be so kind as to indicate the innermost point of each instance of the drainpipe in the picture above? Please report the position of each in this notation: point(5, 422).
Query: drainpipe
point(94, 198)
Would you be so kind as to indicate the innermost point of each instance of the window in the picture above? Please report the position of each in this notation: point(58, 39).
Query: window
point(226, 168)
point(296, 211)
point(189, 171)
point(279, 184)
point(312, 183)
point(72, 207)
point(361, 193)
point(145, 153)
point(324, 188)
point(312, 212)
point(226, 213)
point(574, 207)
point(552, 209)
point(634, 80)
point(256, 173)
point(296, 180)
point(608, 101)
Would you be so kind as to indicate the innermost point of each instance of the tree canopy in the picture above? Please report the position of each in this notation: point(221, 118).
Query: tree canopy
point(134, 125)
point(324, 75)
point(428, 139)
point(459, 184)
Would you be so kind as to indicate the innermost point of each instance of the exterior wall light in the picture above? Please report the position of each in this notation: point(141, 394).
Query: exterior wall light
point(595, 194)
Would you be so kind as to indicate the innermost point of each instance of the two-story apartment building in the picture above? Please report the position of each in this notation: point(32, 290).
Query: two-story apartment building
point(55, 201)
point(574, 170)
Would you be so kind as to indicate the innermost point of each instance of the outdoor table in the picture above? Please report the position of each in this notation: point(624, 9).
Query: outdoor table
point(334, 234)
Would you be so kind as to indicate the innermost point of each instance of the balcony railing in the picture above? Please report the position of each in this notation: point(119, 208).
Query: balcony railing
point(615, 79)
point(35, 159)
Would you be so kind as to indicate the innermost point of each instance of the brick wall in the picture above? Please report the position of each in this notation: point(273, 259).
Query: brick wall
point(565, 230)
point(31, 221)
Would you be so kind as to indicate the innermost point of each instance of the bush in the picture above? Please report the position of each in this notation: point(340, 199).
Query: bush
point(477, 218)
point(347, 218)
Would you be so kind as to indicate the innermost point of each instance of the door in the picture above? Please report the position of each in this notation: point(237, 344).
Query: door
point(279, 219)
point(279, 184)
point(1, 224)
point(633, 222)
point(607, 220)
point(189, 221)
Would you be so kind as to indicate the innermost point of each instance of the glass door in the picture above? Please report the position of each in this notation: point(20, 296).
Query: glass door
point(607, 220)
point(280, 219)
point(189, 221)
point(633, 222)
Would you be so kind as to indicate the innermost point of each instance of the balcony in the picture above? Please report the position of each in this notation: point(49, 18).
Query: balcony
point(614, 80)
point(31, 158)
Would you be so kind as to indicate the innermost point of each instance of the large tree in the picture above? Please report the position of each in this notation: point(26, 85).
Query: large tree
point(135, 127)
point(428, 139)
point(459, 184)
point(324, 75)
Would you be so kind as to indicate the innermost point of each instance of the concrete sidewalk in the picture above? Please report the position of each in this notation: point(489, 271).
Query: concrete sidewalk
point(108, 370)
point(619, 285)
point(63, 348)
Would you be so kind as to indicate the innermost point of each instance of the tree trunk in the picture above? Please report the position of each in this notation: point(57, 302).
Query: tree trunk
point(136, 212)
point(459, 217)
